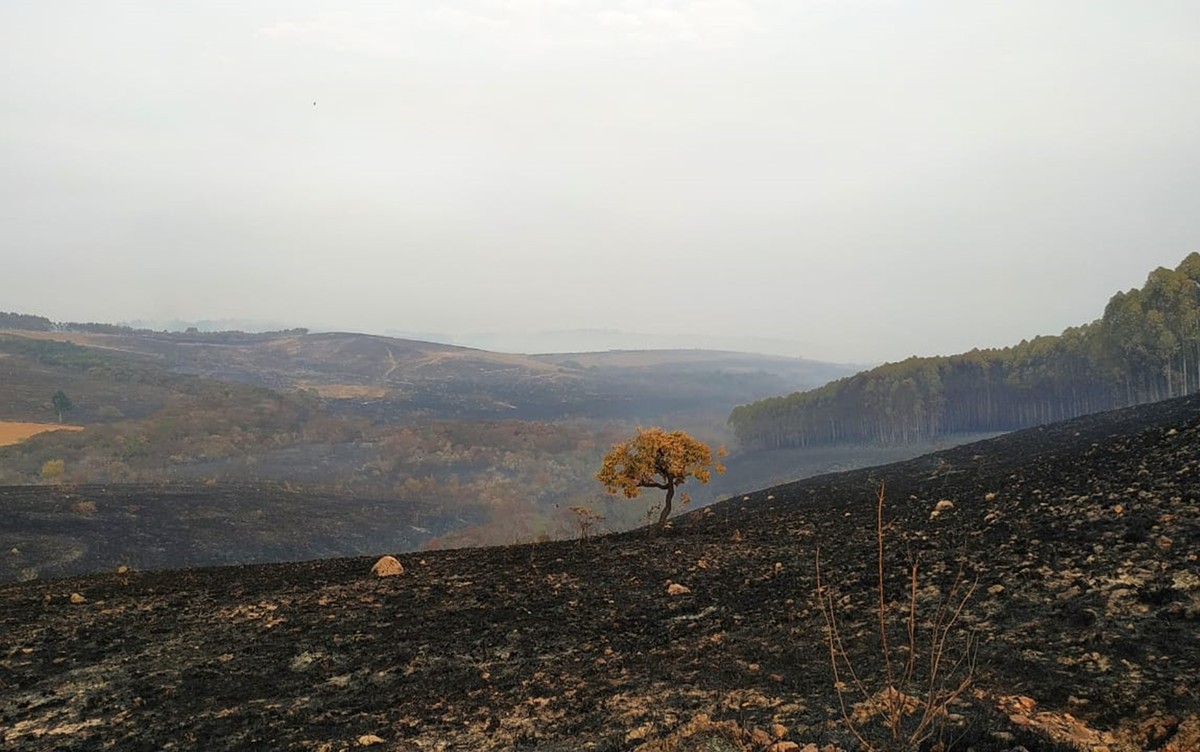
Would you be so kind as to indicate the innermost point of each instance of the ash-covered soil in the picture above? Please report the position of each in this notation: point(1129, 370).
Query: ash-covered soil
point(1082, 538)
point(58, 531)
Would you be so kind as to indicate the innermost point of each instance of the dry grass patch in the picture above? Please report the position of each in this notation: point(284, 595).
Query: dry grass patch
point(347, 391)
point(481, 358)
point(14, 432)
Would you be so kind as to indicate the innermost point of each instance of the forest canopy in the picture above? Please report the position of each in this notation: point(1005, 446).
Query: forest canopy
point(1145, 347)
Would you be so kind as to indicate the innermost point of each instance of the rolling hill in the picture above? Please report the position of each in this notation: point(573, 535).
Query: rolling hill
point(388, 378)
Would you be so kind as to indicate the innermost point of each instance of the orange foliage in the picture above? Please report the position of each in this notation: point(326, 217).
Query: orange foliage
point(657, 459)
point(14, 432)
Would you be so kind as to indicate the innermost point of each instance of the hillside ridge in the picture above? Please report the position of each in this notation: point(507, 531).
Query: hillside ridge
point(1144, 348)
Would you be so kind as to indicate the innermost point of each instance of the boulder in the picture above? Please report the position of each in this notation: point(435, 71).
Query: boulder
point(387, 566)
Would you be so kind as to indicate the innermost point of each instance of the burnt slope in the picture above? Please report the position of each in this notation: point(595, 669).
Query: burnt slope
point(55, 531)
point(1082, 536)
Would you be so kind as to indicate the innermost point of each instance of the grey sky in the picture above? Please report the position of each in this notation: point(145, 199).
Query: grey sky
point(863, 180)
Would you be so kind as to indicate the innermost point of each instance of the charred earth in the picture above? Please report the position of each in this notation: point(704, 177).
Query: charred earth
point(1082, 538)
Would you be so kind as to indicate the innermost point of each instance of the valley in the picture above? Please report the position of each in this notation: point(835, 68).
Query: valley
point(502, 445)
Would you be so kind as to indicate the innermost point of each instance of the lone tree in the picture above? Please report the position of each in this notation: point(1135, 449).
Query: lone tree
point(657, 459)
point(62, 403)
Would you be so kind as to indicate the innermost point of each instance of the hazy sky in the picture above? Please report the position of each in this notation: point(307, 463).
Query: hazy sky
point(862, 180)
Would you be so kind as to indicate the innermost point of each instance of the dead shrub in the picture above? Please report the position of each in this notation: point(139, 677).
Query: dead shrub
point(586, 520)
point(906, 703)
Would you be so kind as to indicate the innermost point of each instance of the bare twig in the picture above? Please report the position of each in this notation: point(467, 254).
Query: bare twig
point(925, 699)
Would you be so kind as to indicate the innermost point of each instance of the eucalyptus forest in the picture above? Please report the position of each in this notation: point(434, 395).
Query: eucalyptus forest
point(1146, 347)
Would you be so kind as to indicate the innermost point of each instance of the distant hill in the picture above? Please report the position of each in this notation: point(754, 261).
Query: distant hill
point(604, 340)
point(385, 377)
point(1145, 347)
point(106, 383)
point(722, 361)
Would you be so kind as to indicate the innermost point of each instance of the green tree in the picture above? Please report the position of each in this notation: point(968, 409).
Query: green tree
point(657, 459)
point(62, 403)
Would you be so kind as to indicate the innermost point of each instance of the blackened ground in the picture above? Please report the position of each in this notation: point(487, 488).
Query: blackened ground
point(1082, 538)
point(57, 531)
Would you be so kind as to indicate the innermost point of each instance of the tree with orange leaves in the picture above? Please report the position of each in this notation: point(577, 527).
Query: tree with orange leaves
point(657, 459)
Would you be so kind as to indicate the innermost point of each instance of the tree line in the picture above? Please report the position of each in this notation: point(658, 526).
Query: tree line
point(31, 323)
point(1146, 347)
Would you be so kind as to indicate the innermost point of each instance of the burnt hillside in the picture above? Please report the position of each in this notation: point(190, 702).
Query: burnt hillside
point(1082, 538)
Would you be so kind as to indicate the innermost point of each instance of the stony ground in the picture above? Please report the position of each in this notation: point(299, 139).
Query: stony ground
point(1080, 540)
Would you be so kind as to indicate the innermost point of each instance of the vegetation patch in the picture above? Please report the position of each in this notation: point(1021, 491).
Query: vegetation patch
point(14, 432)
point(348, 391)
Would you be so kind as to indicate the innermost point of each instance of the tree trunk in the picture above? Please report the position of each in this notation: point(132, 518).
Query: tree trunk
point(666, 510)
